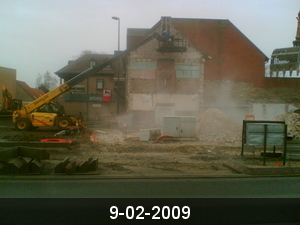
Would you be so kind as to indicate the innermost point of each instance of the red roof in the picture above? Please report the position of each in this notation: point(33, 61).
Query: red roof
point(32, 92)
point(81, 64)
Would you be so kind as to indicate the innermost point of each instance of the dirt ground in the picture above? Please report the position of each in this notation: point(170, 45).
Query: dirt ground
point(122, 153)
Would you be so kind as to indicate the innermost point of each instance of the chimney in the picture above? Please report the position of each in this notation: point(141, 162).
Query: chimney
point(296, 43)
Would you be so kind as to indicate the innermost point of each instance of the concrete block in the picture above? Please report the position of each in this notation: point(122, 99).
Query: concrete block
point(17, 164)
point(70, 168)
point(93, 165)
point(83, 167)
point(36, 166)
point(60, 168)
point(26, 166)
point(3, 168)
point(9, 153)
point(35, 153)
point(76, 160)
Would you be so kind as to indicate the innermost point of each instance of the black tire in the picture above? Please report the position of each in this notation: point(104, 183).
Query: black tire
point(23, 124)
point(63, 122)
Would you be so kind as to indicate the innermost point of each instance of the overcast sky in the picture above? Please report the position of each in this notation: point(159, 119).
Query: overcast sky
point(42, 35)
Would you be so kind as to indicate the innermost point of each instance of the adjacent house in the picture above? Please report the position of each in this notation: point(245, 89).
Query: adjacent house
point(18, 89)
point(26, 93)
point(95, 97)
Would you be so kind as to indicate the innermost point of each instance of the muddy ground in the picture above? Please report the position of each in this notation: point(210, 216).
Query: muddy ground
point(120, 152)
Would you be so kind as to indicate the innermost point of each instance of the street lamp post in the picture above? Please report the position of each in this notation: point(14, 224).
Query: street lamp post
point(117, 18)
point(118, 66)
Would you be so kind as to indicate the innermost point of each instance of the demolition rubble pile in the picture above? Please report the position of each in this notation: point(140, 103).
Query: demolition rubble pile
point(292, 121)
point(109, 137)
point(214, 126)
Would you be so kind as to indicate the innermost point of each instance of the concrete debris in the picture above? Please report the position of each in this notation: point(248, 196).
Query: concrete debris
point(76, 166)
point(72, 130)
point(111, 137)
point(292, 121)
point(100, 131)
point(125, 119)
point(214, 126)
point(60, 133)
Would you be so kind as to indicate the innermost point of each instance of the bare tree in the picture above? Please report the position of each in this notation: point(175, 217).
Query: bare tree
point(86, 52)
point(46, 82)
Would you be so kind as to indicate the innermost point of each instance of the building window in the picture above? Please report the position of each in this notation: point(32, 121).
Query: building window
point(78, 88)
point(99, 84)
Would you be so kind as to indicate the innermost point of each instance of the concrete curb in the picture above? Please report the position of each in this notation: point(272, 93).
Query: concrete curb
point(35, 144)
point(265, 170)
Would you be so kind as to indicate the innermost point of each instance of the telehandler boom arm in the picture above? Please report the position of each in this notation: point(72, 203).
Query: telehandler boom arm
point(77, 79)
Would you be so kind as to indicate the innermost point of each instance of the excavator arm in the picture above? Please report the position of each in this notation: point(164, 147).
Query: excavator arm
point(8, 103)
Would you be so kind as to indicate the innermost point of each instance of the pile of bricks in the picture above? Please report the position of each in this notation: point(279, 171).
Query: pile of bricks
point(76, 165)
point(22, 160)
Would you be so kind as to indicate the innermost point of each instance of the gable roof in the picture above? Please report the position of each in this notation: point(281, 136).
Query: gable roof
point(32, 92)
point(205, 33)
point(81, 64)
point(229, 54)
point(202, 33)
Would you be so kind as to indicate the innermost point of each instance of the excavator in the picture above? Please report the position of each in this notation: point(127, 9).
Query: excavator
point(8, 103)
point(285, 62)
point(44, 112)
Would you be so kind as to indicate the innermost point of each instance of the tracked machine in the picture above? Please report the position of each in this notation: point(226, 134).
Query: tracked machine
point(285, 62)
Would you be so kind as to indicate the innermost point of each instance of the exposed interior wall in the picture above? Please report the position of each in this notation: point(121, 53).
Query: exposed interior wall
point(164, 83)
point(269, 111)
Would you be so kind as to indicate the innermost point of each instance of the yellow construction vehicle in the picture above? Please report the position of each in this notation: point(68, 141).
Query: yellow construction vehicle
point(44, 112)
point(8, 103)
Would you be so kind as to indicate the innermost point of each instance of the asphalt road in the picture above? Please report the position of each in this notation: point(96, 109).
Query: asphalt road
point(203, 200)
point(245, 187)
